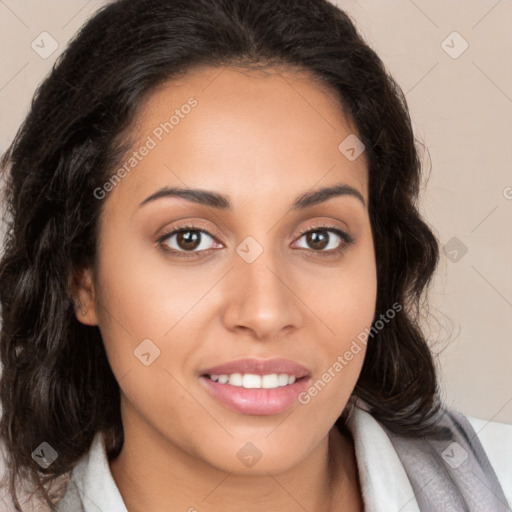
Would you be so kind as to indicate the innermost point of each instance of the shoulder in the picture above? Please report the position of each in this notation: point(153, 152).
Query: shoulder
point(462, 458)
point(496, 439)
point(29, 502)
point(475, 453)
point(71, 501)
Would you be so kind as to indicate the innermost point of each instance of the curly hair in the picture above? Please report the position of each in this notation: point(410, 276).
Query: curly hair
point(56, 383)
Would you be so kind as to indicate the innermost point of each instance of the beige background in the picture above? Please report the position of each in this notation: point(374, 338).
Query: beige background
point(461, 106)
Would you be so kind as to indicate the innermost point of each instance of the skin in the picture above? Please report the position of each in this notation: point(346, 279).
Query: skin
point(262, 140)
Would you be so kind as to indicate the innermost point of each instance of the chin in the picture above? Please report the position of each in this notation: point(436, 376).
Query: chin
point(255, 458)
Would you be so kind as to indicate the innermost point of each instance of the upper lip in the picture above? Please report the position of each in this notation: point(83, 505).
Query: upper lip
point(259, 367)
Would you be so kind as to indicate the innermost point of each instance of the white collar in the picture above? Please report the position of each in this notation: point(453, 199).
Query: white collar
point(384, 483)
point(95, 482)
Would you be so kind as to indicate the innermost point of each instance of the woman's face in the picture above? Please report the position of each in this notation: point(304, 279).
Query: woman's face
point(240, 282)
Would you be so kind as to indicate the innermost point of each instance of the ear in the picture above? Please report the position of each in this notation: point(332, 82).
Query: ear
point(83, 293)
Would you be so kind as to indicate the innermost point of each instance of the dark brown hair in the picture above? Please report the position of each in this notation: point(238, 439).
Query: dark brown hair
point(56, 384)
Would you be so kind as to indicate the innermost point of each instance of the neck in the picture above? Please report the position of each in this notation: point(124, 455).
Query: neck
point(156, 475)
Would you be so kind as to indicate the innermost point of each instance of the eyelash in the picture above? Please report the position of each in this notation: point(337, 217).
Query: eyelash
point(346, 238)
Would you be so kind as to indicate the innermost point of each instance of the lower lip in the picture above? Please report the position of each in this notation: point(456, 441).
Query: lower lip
point(256, 401)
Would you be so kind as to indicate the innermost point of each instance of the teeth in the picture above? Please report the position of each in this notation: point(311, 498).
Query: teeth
point(251, 381)
point(271, 381)
point(236, 379)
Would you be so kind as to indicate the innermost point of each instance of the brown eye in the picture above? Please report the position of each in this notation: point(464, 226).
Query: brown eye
point(325, 240)
point(316, 241)
point(186, 239)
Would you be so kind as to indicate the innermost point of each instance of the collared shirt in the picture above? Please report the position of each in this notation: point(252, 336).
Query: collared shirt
point(384, 482)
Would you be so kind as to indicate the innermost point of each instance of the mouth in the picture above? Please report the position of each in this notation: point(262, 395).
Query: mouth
point(256, 387)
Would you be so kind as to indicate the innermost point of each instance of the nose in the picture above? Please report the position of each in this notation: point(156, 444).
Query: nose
point(263, 298)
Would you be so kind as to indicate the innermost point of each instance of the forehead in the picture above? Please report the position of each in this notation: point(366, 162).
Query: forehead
point(252, 127)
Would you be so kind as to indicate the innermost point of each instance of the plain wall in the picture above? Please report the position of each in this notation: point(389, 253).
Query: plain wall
point(460, 104)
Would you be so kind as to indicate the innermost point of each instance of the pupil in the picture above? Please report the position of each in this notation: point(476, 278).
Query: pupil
point(313, 239)
point(188, 240)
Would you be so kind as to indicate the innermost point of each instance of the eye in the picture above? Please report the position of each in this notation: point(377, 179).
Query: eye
point(190, 240)
point(319, 240)
point(186, 239)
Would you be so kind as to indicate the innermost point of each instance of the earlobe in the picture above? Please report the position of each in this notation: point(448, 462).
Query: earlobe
point(84, 297)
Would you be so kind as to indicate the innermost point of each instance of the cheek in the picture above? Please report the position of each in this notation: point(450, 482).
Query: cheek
point(141, 321)
point(148, 312)
point(137, 287)
point(345, 298)
point(346, 305)
point(131, 305)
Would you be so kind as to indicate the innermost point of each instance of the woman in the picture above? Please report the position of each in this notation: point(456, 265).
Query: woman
point(213, 274)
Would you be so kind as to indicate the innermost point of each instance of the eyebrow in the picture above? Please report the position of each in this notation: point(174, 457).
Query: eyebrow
point(219, 201)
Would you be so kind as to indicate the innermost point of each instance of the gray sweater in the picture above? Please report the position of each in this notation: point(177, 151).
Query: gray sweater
point(446, 472)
